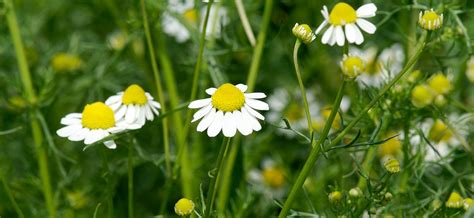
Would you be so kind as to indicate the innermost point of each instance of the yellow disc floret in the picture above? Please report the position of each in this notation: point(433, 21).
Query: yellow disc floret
point(352, 66)
point(184, 207)
point(440, 84)
point(341, 14)
point(228, 98)
point(421, 96)
point(134, 94)
point(440, 132)
point(454, 201)
point(430, 20)
point(273, 177)
point(98, 116)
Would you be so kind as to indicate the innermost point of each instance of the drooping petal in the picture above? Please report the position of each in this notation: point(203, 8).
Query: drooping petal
point(120, 112)
point(199, 103)
point(74, 115)
point(243, 125)
point(367, 10)
point(216, 124)
point(110, 144)
point(254, 112)
point(206, 121)
point(366, 26)
point(155, 104)
point(359, 36)
point(113, 99)
point(229, 127)
point(323, 24)
point(94, 136)
point(249, 118)
point(148, 113)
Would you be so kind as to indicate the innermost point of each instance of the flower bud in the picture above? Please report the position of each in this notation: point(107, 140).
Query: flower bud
point(304, 33)
point(468, 202)
point(391, 164)
point(184, 207)
point(440, 101)
point(430, 20)
point(454, 201)
point(440, 84)
point(355, 192)
point(335, 197)
point(421, 96)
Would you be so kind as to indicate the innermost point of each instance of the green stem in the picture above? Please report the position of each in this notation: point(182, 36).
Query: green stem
point(130, 179)
point(245, 21)
point(215, 178)
point(258, 51)
point(159, 89)
point(11, 197)
point(300, 83)
point(224, 190)
point(30, 95)
point(315, 151)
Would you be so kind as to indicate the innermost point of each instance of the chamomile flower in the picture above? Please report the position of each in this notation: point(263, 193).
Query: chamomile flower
point(96, 122)
point(430, 20)
point(304, 33)
point(380, 68)
point(352, 66)
point(454, 201)
point(229, 109)
point(270, 179)
point(64, 62)
point(345, 22)
point(134, 105)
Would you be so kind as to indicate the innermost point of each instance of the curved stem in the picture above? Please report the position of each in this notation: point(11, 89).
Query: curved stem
point(300, 83)
point(315, 151)
point(130, 179)
point(215, 178)
point(30, 95)
point(245, 22)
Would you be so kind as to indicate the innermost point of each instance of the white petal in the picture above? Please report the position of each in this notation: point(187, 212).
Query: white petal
point(148, 96)
point(254, 112)
point(250, 119)
point(216, 124)
point(255, 95)
point(206, 121)
point(116, 105)
point(366, 26)
point(242, 87)
point(141, 115)
point(367, 10)
point(327, 35)
point(94, 136)
point(229, 127)
point(79, 135)
point(210, 91)
point(323, 24)
point(155, 111)
point(120, 112)
point(74, 115)
point(256, 104)
point(148, 113)
point(243, 125)
point(332, 40)
point(69, 130)
point(110, 144)
point(115, 129)
point(350, 33)
point(113, 99)
point(359, 36)
point(130, 116)
point(199, 103)
point(70, 121)
point(340, 38)
point(155, 104)
point(201, 113)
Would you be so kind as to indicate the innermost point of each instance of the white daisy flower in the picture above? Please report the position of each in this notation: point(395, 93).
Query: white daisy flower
point(430, 20)
point(134, 106)
point(381, 68)
point(269, 180)
point(96, 122)
point(345, 22)
point(229, 109)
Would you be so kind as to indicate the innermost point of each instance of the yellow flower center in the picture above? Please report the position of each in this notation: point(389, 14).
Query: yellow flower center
point(341, 14)
point(134, 94)
point(430, 20)
point(228, 98)
point(273, 177)
point(440, 84)
point(454, 201)
point(440, 132)
point(352, 66)
point(65, 62)
point(98, 116)
point(374, 67)
point(421, 96)
point(184, 207)
point(335, 196)
point(190, 15)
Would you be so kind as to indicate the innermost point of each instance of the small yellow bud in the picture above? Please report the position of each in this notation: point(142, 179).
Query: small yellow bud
point(63, 62)
point(454, 201)
point(436, 204)
point(430, 20)
point(388, 196)
point(391, 164)
point(355, 192)
point(335, 197)
point(273, 177)
point(468, 202)
point(304, 33)
point(421, 96)
point(184, 207)
point(352, 66)
point(440, 84)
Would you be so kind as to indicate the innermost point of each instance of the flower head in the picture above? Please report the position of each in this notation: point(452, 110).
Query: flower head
point(421, 96)
point(184, 207)
point(352, 66)
point(134, 105)
point(345, 22)
point(430, 20)
point(391, 164)
point(439, 132)
point(273, 177)
point(440, 84)
point(117, 40)
point(304, 33)
point(96, 122)
point(229, 109)
point(468, 202)
point(335, 197)
point(454, 201)
point(63, 62)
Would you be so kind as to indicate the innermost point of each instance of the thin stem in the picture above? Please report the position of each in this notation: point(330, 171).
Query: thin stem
point(258, 51)
point(159, 89)
point(214, 178)
point(30, 95)
point(245, 22)
point(300, 83)
point(315, 152)
point(224, 190)
point(12, 199)
point(130, 179)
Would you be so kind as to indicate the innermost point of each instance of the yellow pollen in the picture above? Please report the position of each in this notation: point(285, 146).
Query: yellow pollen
point(190, 15)
point(352, 66)
point(342, 14)
point(273, 177)
point(98, 116)
point(228, 98)
point(134, 94)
